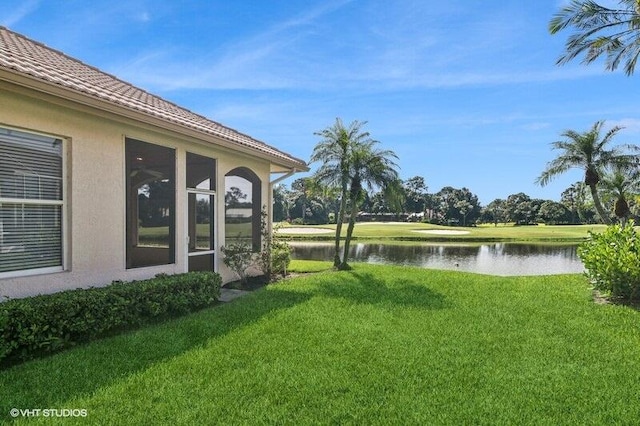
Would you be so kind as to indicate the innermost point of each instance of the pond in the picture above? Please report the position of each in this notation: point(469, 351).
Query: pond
point(484, 258)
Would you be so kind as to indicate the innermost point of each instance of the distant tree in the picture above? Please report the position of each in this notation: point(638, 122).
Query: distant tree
point(389, 200)
point(553, 213)
point(154, 203)
point(415, 193)
point(589, 152)
point(521, 209)
point(495, 212)
point(234, 197)
point(280, 203)
point(457, 206)
point(574, 199)
point(601, 31)
point(308, 200)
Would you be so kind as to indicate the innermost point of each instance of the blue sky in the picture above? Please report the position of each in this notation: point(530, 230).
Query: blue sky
point(466, 92)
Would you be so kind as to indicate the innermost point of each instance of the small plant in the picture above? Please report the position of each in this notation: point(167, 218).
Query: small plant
point(276, 253)
point(612, 260)
point(238, 256)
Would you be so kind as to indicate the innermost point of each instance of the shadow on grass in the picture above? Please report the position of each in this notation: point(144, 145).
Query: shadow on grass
point(51, 381)
point(366, 288)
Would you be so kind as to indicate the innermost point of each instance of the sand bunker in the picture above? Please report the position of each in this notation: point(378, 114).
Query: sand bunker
point(304, 231)
point(441, 232)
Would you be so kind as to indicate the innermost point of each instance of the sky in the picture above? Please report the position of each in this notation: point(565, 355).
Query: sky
point(467, 93)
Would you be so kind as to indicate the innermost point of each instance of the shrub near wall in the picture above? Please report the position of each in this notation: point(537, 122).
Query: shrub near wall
point(43, 324)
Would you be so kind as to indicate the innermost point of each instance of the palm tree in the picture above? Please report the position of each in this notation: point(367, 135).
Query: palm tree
point(370, 168)
point(335, 151)
point(588, 151)
point(621, 182)
point(600, 30)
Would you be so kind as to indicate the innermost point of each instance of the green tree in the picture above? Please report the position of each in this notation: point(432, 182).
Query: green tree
point(588, 151)
point(553, 213)
point(371, 168)
point(495, 212)
point(457, 206)
point(521, 209)
point(416, 193)
point(621, 183)
point(325, 198)
point(335, 151)
point(280, 203)
point(307, 200)
point(599, 31)
point(574, 199)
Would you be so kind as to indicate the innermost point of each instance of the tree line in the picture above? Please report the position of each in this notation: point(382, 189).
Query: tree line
point(306, 203)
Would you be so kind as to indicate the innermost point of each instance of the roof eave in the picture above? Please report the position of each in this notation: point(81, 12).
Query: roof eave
point(85, 99)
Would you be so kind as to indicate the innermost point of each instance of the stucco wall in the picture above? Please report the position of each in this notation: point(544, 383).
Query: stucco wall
point(95, 191)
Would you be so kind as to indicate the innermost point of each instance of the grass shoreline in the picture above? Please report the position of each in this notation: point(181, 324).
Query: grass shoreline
point(412, 232)
point(375, 345)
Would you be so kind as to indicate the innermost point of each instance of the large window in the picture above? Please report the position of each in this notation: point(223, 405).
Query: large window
point(242, 207)
point(150, 204)
point(31, 202)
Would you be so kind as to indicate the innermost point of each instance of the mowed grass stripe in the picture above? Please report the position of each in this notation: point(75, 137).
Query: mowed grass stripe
point(376, 345)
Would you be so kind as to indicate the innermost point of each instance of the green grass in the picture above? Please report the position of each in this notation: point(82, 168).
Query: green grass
point(375, 345)
point(406, 231)
point(308, 266)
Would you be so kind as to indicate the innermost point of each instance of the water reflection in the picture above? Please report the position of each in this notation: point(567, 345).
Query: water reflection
point(490, 258)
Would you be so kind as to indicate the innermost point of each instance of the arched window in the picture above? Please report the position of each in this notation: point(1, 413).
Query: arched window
point(243, 193)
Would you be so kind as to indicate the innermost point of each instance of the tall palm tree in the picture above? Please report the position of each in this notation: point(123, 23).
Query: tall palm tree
point(335, 151)
point(588, 151)
point(370, 168)
point(621, 183)
point(601, 30)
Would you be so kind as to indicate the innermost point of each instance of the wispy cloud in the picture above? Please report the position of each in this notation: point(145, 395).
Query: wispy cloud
point(18, 13)
point(263, 60)
point(383, 47)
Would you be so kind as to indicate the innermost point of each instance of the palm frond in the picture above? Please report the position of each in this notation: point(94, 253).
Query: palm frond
point(600, 31)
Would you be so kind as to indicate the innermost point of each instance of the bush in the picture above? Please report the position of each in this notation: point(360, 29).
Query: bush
point(612, 260)
point(275, 255)
point(238, 256)
point(44, 324)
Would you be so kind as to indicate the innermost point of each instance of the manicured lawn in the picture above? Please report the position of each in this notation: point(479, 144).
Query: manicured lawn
point(376, 345)
point(407, 231)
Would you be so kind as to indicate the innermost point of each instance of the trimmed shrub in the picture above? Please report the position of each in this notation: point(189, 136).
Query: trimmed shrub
point(612, 260)
point(44, 324)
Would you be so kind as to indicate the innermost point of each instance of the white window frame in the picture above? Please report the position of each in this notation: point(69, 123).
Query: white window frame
point(63, 211)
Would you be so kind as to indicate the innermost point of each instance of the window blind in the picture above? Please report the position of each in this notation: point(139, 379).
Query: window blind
point(31, 201)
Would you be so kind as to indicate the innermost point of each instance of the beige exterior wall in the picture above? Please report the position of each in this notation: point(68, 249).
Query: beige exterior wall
point(95, 189)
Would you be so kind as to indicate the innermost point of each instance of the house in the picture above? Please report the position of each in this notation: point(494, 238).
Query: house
point(102, 181)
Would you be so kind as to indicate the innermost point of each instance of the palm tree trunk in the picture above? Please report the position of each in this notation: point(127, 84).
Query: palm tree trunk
point(596, 201)
point(339, 220)
point(352, 222)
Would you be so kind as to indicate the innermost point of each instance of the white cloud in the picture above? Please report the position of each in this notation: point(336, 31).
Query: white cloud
point(385, 47)
point(17, 14)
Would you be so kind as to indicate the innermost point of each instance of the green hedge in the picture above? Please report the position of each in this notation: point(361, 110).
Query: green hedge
point(612, 261)
point(44, 324)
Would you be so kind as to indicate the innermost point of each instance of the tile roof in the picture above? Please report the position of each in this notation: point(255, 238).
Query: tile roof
point(27, 57)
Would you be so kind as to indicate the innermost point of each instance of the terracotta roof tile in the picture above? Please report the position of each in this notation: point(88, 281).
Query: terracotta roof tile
point(30, 58)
